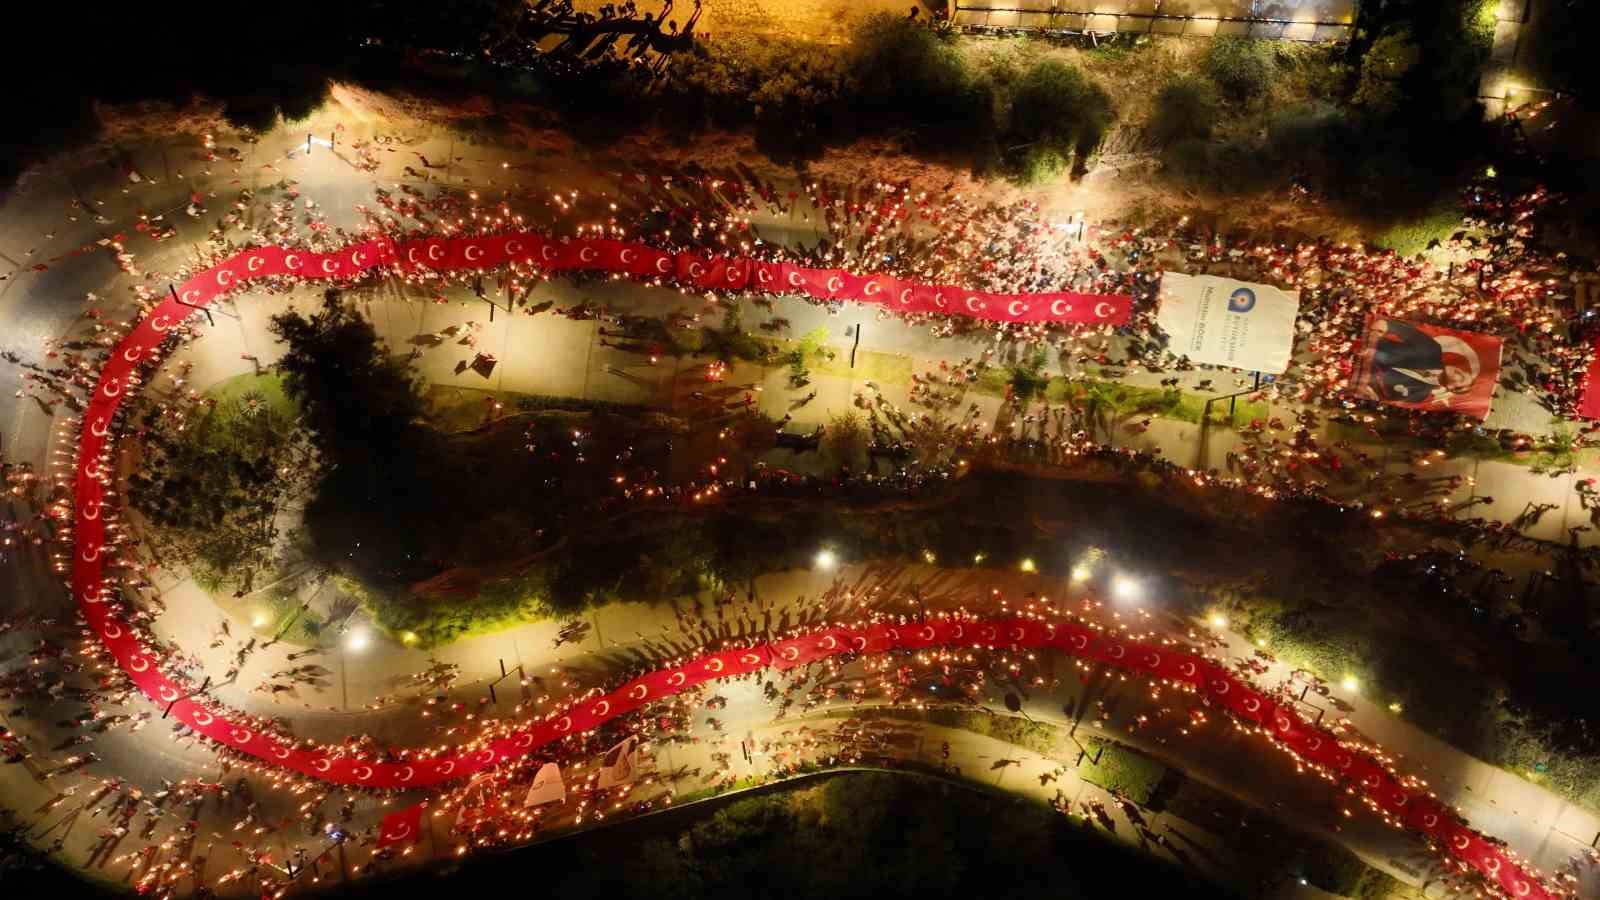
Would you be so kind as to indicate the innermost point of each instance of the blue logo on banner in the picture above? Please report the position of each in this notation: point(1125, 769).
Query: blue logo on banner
point(1241, 300)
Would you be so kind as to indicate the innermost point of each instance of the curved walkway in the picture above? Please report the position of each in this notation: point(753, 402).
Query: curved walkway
point(1398, 799)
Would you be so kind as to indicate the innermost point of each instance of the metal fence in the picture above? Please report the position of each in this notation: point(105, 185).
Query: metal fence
point(1295, 20)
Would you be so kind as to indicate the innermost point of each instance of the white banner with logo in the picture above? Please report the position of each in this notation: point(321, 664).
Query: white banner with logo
point(1223, 322)
point(547, 787)
point(620, 764)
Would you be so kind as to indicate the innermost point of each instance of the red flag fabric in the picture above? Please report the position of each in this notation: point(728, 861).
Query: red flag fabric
point(1427, 367)
point(401, 827)
point(1399, 355)
point(1589, 408)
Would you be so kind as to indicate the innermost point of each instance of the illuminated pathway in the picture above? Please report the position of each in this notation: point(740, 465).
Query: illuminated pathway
point(346, 769)
point(1397, 798)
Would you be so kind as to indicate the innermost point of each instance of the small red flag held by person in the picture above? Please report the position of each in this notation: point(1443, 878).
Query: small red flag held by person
point(402, 827)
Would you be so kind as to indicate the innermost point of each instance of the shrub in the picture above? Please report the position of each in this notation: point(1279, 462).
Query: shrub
point(1240, 67)
point(844, 441)
point(1029, 379)
point(1383, 66)
point(1057, 114)
point(1334, 869)
point(903, 71)
point(251, 113)
point(788, 88)
point(1184, 110)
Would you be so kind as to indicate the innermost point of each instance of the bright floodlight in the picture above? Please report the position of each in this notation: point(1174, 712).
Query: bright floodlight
point(1080, 573)
point(357, 639)
point(1350, 683)
point(1219, 621)
point(1126, 589)
point(827, 559)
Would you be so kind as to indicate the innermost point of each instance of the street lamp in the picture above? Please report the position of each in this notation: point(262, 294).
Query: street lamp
point(826, 559)
point(1080, 573)
point(1126, 589)
point(1350, 683)
point(357, 639)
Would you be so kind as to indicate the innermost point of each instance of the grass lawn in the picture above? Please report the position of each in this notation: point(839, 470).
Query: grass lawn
point(871, 365)
point(1413, 237)
point(1120, 769)
point(1126, 399)
point(268, 385)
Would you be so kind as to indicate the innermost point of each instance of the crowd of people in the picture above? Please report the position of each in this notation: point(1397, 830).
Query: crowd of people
point(1502, 283)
